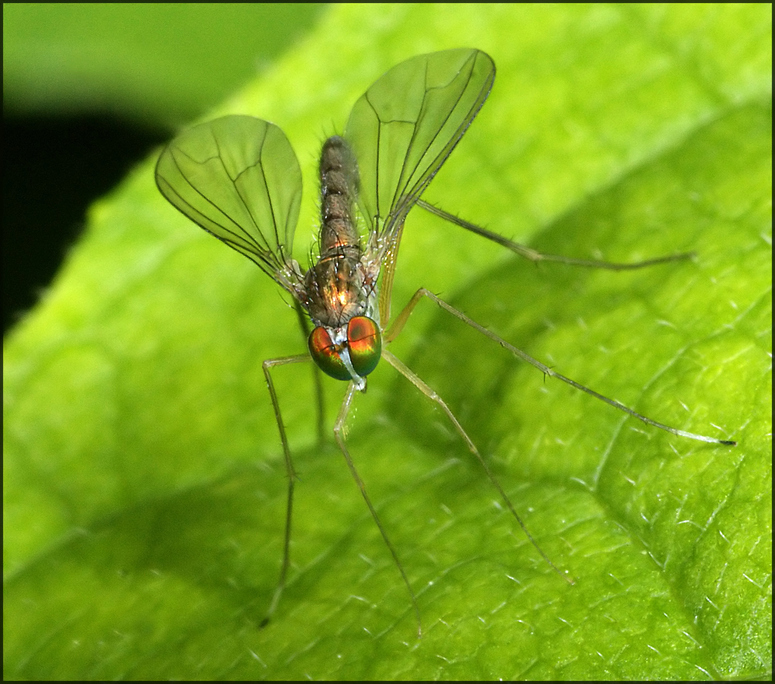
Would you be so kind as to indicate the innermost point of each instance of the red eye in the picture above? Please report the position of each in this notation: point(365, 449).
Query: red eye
point(326, 354)
point(365, 342)
point(363, 346)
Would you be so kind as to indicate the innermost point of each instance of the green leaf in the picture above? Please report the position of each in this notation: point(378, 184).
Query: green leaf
point(159, 63)
point(143, 479)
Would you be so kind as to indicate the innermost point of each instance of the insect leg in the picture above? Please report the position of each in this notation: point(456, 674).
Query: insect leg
point(536, 256)
point(290, 472)
point(316, 374)
point(433, 396)
point(339, 427)
point(401, 319)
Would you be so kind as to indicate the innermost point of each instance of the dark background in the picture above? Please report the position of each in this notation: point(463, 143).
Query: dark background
point(54, 168)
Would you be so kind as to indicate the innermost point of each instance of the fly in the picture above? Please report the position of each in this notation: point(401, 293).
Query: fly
point(239, 179)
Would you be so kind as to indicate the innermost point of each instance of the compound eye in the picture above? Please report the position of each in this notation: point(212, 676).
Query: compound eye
point(365, 342)
point(326, 354)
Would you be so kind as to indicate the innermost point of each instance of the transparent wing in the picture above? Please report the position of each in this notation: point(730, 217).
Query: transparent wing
point(406, 125)
point(239, 179)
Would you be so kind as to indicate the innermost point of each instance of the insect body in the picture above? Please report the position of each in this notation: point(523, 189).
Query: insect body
point(238, 178)
point(340, 289)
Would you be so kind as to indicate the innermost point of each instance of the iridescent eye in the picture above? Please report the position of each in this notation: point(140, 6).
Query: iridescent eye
point(326, 354)
point(365, 343)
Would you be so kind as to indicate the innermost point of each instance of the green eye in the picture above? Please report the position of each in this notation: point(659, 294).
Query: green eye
point(365, 344)
point(362, 348)
point(327, 354)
